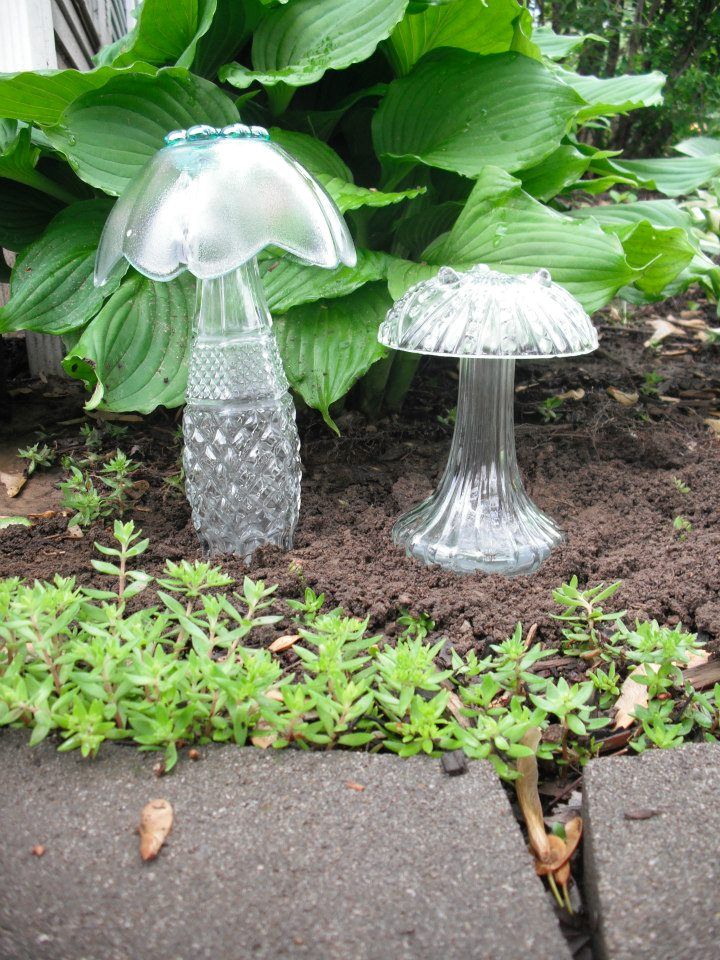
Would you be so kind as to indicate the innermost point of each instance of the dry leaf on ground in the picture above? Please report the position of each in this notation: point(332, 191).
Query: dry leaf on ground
point(526, 787)
point(661, 329)
point(156, 822)
point(13, 482)
point(632, 695)
point(577, 394)
point(625, 399)
point(713, 424)
point(283, 643)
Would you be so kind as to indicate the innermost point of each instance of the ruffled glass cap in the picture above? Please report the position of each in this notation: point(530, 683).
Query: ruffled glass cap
point(211, 200)
point(483, 313)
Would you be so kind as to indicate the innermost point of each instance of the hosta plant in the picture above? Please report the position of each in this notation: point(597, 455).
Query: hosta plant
point(446, 132)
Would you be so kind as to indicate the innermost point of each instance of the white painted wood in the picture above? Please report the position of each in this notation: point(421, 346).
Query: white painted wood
point(27, 39)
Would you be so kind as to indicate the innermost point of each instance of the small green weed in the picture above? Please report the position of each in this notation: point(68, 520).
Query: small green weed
point(37, 456)
point(550, 408)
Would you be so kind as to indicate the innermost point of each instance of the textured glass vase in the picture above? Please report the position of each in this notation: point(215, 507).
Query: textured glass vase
point(209, 201)
point(480, 517)
point(242, 451)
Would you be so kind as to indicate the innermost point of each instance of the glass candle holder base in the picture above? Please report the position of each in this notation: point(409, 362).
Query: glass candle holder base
point(480, 518)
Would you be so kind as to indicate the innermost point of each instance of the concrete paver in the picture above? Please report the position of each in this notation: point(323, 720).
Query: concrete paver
point(272, 856)
point(652, 854)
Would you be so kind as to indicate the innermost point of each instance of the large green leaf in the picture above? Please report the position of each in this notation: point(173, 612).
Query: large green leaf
point(557, 46)
point(328, 345)
point(661, 213)
point(562, 168)
point(462, 111)
point(607, 97)
point(660, 254)
point(504, 227)
point(109, 134)
point(289, 283)
point(295, 44)
point(166, 32)
point(675, 176)
point(41, 97)
point(318, 157)
point(24, 214)
point(18, 160)
point(232, 24)
point(348, 196)
point(134, 353)
point(52, 286)
point(699, 147)
point(474, 25)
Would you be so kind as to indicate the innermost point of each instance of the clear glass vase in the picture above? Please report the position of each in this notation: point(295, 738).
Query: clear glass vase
point(480, 518)
point(242, 451)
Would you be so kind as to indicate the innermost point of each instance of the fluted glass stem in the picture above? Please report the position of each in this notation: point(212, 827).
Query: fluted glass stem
point(480, 517)
point(241, 455)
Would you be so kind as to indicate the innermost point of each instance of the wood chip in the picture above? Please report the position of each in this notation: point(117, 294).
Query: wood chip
point(623, 398)
point(577, 394)
point(74, 532)
point(713, 424)
point(283, 643)
point(641, 813)
point(156, 822)
point(352, 785)
point(454, 763)
point(703, 675)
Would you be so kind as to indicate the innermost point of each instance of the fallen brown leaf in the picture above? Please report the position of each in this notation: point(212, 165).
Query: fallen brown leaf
point(156, 822)
point(713, 424)
point(283, 643)
point(526, 787)
point(625, 399)
point(661, 329)
point(577, 394)
point(13, 482)
point(632, 695)
point(455, 706)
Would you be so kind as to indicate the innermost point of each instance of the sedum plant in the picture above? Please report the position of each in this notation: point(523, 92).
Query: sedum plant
point(399, 108)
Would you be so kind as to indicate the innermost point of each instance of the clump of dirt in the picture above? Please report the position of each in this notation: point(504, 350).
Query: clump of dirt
point(605, 471)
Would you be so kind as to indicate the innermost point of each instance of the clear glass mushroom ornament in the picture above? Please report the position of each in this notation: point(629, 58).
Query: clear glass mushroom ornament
point(209, 201)
point(480, 518)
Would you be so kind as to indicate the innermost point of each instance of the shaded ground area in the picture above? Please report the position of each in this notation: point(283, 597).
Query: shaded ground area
point(606, 471)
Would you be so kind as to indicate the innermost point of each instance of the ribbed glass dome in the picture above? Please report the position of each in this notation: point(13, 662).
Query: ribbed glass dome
point(483, 313)
point(211, 200)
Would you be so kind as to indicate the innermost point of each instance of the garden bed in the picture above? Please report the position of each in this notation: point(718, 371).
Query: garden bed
point(606, 471)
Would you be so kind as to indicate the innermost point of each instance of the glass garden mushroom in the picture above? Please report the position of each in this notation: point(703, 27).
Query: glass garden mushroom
point(209, 201)
point(480, 518)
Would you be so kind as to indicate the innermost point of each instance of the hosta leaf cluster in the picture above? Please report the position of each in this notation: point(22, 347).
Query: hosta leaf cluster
point(445, 132)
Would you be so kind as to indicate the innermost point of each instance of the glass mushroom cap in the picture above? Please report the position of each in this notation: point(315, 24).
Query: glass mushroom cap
point(212, 199)
point(209, 201)
point(483, 313)
point(480, 518)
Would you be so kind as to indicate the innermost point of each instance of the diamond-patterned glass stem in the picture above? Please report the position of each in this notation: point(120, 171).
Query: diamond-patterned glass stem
point(480, 517)
point(242, 451)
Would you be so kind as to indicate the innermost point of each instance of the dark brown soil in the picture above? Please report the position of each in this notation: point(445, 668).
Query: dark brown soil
point(605, 471)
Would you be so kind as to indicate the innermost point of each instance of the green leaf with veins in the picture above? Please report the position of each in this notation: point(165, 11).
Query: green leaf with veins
point(557, 46)
point(18, 161)
point(288, 283)
point(471, 25)
point(166, 32)
point(326, 346)
point(43, 96)
point(52, 288)
point(462, 111)
point(673, 176)
point(503, 226)
point(612, 95)
point(296, 44)
point(134, 353)
point(108, 135)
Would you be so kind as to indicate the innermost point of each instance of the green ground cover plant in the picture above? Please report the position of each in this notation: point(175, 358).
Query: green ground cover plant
point(401, 109)
point(180, 659)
